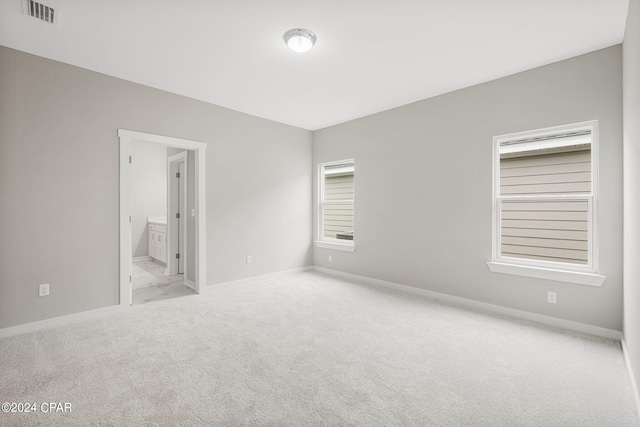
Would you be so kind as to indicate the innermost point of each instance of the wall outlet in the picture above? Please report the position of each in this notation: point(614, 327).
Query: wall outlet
point(43, 290)
point(551, 297)
point(330, 258)
point(248, 259)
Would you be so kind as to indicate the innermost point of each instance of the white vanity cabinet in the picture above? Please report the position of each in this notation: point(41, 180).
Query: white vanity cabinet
point(158, 242)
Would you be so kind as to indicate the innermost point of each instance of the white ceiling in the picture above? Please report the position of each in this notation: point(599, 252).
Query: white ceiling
point(371, 55)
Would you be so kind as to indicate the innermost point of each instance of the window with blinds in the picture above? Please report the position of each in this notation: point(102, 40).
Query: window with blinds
point(544, 197)
point(337, 182)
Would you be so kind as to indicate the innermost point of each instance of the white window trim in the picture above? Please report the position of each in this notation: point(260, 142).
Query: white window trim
point(564, 272)
point(336, 246)
point(589, 279)
point(324, 242)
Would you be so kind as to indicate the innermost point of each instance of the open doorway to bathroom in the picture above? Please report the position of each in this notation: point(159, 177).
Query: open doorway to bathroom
point(162, 211)
point(162, 189)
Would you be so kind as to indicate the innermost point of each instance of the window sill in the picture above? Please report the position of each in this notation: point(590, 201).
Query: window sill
point(348, 247)
point(589, 279)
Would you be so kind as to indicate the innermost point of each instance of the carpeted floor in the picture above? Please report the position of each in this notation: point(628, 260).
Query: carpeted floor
point(306, 349)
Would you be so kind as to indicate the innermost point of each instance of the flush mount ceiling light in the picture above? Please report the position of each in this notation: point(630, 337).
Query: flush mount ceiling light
point(299, 39)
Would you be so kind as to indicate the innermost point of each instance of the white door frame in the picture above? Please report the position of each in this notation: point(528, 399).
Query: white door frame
point(173, 246)
point(127, 137)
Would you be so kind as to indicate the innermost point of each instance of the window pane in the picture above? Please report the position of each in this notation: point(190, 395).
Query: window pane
point(544, 197)
point(338, 221)
point(560, 173)
point(339, 182)
point(550, 230)
point(338, 196)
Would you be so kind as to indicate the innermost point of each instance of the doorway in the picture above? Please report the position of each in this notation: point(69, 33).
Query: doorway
point(192, 153)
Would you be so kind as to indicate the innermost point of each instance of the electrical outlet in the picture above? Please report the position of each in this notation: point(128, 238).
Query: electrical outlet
point(43, 290)
point(551, 297)
point(248, 259)
point(330, 258)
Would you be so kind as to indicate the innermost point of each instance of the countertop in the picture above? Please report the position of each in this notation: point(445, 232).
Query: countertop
point(162, 220)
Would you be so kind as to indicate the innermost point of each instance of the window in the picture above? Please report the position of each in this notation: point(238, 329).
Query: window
point(544, 216)
point(336, 205)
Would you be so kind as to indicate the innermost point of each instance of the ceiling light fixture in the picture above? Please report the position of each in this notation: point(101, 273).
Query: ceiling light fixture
point(299, 39)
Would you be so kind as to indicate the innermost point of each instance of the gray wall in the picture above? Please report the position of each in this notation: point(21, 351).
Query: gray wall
point(59, 185)
point(148, 191)
point(426, 169)
point(631, 71)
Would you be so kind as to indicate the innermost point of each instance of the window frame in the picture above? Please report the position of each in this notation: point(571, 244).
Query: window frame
point(565, 272)
point(321, 240)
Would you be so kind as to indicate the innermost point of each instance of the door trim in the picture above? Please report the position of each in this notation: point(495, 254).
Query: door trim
point(126, 138)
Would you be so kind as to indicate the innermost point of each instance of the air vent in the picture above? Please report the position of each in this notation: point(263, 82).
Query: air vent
point(41, 11)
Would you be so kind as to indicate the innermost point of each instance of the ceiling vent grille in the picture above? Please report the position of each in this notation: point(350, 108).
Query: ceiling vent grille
point(41, 11)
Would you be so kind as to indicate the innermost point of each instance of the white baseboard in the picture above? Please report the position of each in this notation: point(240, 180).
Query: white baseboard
point(141, 258)
point(190, 283)
point(634, 385)
point(252, 280)
point(520, 314)
point(107, 311)
point(547, 320)
point(61, 321)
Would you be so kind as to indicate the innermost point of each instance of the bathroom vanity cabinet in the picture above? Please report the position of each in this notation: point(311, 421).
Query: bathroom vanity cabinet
point(158, 241)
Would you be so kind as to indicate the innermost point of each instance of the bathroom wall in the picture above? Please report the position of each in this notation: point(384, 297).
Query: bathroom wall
point(148, 191)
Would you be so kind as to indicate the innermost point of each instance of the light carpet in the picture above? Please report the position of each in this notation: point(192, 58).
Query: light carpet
point(307, 349)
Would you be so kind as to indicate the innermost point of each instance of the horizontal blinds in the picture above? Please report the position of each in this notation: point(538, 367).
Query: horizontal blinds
point(543, 229)
point(338, 212)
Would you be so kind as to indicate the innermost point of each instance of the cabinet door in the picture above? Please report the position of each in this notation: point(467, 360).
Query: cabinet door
point(152, 244)
point(161, 247)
